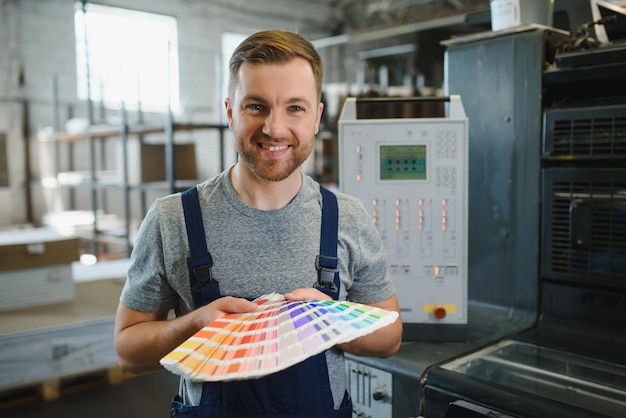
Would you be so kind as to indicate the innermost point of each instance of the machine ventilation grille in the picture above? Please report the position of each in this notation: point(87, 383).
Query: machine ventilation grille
point(586, 133)
point(588, 228)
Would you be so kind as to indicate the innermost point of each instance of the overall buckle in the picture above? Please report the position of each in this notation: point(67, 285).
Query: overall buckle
point(326, 270)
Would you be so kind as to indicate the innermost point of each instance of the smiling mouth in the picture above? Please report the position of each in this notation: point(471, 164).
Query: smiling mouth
point(274, 148)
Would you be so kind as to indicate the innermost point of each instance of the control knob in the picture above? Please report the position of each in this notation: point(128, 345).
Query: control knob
point(380, 395)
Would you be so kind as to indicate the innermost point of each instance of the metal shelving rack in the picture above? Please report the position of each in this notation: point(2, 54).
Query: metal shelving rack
point(99, 181)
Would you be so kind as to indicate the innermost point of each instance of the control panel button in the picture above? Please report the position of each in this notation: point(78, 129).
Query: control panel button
point(439, 312)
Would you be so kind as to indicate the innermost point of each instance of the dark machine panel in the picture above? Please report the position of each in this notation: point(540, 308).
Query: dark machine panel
point(572, 361)
point(528, 380)
point(584, 192)
point(592, 130)
point(584, 235)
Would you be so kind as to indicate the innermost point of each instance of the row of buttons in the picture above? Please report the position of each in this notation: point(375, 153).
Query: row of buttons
point(437, 271)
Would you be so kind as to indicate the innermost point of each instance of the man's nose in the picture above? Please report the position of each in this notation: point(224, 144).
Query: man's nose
point(275, 125)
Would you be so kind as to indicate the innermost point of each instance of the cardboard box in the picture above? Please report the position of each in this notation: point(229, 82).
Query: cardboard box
point(512, 13)
point(146, 162)
point(37, 286)
point(48, 342)
point(36, 247)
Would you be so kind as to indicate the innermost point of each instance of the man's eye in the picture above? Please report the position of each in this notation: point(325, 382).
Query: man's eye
point(253, 107)
point(297, 108)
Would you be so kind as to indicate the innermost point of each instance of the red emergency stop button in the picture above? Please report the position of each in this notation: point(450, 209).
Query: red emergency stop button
point(439, 312)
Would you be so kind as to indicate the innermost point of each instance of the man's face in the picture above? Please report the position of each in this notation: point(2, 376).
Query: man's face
point(274, 113)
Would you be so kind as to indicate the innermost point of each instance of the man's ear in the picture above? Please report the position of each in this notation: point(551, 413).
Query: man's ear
point(229, 112)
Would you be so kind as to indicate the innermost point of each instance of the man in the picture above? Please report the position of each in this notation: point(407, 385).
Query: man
point(262, 220)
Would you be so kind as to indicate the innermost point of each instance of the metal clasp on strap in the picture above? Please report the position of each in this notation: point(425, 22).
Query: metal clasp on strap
point(326, 270)
point(202, 272)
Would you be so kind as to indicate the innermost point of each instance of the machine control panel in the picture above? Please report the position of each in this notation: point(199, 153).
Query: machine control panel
point(412, 177)
point(371, 390)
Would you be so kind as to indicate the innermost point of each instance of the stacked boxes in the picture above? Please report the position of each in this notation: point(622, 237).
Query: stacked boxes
point(64, 317)
point(35, 268)
point(52, 342)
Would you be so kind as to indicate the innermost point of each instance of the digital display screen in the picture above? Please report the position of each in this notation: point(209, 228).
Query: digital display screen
point(403, 162)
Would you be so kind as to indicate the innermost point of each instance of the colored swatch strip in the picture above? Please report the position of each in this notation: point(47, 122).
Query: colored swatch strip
point(277, 335)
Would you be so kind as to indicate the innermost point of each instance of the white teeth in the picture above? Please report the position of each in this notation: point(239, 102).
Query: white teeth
point(274, 148)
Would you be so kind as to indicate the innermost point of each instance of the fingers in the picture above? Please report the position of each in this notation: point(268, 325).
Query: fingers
point(222, 306)
point(231, 304)
point(308, 293)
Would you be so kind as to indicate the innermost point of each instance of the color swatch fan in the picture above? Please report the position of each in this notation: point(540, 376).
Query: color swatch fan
point(277, 335)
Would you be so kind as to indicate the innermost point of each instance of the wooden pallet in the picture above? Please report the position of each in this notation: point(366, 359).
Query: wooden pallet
point(51, 389)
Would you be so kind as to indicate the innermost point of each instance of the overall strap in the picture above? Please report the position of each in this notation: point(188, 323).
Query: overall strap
point(327, 262)
point(204, 288)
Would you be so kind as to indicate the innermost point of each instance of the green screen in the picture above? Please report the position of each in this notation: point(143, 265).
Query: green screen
point(403, 162)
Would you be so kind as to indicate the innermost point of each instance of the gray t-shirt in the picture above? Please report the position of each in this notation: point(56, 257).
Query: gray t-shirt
point(254, 252)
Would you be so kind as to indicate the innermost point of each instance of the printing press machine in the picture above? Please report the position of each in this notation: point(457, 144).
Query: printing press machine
point(546, 296)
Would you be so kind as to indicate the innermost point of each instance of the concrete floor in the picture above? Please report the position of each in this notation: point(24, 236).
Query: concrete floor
point(145, 396)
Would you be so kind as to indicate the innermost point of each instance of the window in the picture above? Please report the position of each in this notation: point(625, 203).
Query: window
point(230, 41)
point(132, 57)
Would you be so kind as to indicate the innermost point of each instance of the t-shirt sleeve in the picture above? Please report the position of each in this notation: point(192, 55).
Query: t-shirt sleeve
point(147, 288)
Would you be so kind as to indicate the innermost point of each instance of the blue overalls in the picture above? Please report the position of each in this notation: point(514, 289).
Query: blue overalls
point(301, 391)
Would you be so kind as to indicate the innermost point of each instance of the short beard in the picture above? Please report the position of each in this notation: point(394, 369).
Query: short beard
point(266, 170)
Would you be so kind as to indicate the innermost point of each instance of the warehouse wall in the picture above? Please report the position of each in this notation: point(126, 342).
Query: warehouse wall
point(37, 42)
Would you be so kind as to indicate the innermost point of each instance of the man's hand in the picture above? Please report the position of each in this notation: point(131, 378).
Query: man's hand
point(220, 307)
point(143, 338)
point(307, 293)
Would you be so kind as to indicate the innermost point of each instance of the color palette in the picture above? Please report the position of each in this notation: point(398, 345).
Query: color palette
point(277, 335)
